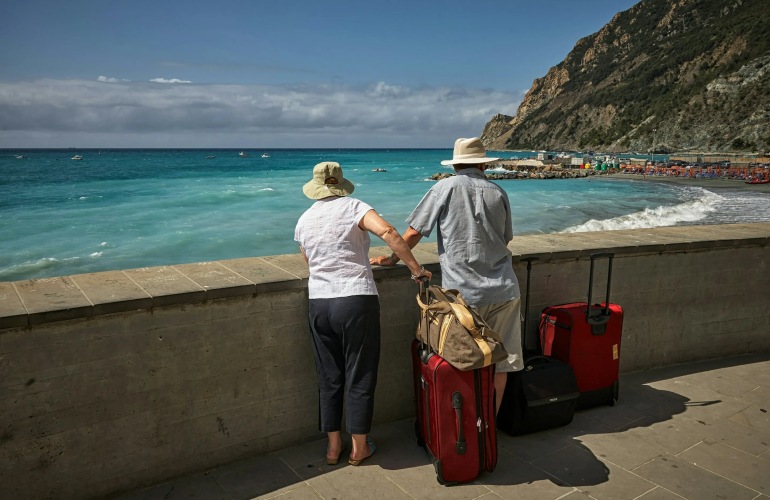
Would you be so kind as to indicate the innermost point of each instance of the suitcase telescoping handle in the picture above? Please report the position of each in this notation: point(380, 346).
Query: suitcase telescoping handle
point(598, 317)
point(424, 284)
point(424, 348)
point(528, 260)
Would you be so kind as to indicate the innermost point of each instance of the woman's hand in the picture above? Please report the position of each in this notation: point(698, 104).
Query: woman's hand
point(383, 260)
point(372, 222)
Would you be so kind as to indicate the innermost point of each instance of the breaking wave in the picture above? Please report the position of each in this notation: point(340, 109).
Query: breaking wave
point(688, 212)
point(33, 266)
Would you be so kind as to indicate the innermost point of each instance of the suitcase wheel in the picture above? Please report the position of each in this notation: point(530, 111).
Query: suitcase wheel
point(615, 393)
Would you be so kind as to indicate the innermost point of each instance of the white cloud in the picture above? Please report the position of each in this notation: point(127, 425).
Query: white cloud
point(107, 79)
point(57, 113)
point(169, 80)
point(382, 89)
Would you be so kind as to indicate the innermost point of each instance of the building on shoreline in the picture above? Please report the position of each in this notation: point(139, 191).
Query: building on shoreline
point(736, 160)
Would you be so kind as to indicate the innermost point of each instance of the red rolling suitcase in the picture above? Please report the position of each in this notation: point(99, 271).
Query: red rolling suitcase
point(588, 339)
point(455, 413)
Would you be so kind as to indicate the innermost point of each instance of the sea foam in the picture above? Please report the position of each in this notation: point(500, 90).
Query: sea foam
point(687, 212)
point(31, 265)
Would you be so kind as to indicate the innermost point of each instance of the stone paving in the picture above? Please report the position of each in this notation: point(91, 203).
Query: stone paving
point(696, 431)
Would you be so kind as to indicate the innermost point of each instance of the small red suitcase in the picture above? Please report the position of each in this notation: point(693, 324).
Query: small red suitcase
point(588, 339)
point(455, 413)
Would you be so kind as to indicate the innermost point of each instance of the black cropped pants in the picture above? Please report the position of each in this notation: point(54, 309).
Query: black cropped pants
point(346, 342)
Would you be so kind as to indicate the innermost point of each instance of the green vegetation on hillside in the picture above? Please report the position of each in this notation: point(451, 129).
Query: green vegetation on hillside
point(650, 69)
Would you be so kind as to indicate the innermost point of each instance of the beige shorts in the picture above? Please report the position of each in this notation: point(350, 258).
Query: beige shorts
point(505, 319)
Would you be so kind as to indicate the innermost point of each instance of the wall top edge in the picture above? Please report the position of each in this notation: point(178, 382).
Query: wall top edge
point(35, 301)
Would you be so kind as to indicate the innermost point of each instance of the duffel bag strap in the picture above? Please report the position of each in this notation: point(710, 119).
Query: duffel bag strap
point(430, 311)
point(466, 319)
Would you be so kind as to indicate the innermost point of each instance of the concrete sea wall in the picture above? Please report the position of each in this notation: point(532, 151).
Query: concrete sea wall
point(110, 381)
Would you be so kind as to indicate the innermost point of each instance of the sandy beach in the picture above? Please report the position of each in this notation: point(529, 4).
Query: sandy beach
point(704, 183)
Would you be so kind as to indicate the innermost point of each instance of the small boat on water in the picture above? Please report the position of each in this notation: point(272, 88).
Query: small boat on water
point(210, 156)
point(379, 170)
point(758, 181)
point(77, 157)
point(243, 154)
point(265, 155)
point(20, 157)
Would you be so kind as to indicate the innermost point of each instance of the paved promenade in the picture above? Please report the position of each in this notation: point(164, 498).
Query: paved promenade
point(697, 431)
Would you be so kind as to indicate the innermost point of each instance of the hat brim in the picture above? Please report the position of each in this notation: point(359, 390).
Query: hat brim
point(469, 161)
point(316, 191)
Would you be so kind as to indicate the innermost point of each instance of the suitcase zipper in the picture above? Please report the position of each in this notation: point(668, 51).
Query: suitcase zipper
point(480, 413)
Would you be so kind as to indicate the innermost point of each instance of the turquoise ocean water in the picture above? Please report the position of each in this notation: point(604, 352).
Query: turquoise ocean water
point(123, 209)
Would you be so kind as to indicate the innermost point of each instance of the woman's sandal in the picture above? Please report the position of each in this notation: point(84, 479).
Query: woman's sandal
point(372, 449)
point(335, 461)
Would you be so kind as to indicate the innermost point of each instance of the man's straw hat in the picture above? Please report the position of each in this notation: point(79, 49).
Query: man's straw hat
point(469, 151)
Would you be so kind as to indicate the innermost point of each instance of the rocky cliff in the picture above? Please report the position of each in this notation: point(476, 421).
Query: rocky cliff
point(668, 75)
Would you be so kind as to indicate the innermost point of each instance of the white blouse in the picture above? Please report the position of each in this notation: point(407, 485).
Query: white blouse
point(336, 248)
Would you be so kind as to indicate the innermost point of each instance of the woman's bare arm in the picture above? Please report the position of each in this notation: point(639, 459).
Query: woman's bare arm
point(375, 224)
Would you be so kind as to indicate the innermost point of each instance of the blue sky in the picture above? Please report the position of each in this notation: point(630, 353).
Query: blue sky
point(277, 73)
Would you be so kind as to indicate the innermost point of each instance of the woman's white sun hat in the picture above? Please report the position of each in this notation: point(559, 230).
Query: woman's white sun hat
point(469, 151)
point(327, 181)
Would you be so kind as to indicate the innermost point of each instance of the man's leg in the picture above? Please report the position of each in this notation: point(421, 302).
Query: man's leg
point(500, 380)
point(505, 319)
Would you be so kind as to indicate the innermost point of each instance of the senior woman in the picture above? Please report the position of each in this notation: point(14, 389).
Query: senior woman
point(343, 310)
